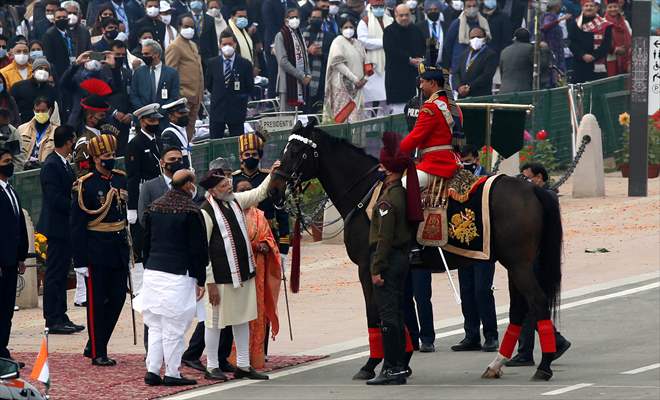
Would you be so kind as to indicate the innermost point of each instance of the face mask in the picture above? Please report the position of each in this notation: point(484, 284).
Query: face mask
point(412, 4)
point(294, 23)
point(7, 170)
point(119, 62)
point(2, 87)
point(241, 22)
point(73, 19)
point(41, 75)
point(315, 24)
point(36, 54)
point(251, 163)
point(147, 60)
point(333, 10)
point(433, 16)
point(196, 5)
point(348, 33)
point(175, 166)
point(3, 53)
point(41, 117)
point(324, 13)
point(108, 164)
point(471, 12)
point(457, 5)
point(62, 24)
point(378, 11)
point(151, 129)
point(153, 12)
point(490, 4)
point(50, 18)
point(122, 36)
point(167, 19)
point(183, 121)
point(21, 59)
point(470, 167)
point(93, 65)
point(476, 43)
point(188, 33)
point(214, 12)
point(111, 35)
point(227, 50)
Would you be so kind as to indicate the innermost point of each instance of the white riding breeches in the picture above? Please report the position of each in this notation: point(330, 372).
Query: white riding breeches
point(423, 177)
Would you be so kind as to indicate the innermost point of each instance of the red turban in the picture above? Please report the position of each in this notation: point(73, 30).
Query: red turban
point(394, 160)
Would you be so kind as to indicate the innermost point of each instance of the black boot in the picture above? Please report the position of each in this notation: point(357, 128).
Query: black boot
point(393, 372)
point(367, 370)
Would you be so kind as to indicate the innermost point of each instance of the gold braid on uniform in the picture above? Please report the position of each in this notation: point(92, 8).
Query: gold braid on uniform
point(102, 212)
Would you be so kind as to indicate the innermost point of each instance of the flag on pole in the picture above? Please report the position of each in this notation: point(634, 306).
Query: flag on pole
point(40, 371)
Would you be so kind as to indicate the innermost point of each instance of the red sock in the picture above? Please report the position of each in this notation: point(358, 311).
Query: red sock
point(376, 343)
point(547, 336)
point(409, 346)
point(509, 340)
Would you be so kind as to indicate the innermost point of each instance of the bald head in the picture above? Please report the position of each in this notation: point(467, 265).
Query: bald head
point(402, 15)
point(184, 179)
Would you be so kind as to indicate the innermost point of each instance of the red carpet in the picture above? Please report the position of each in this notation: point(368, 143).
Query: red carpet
point(73, 377)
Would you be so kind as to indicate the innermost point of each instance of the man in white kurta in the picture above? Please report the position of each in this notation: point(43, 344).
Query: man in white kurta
point(370, 34)
point(231, 298)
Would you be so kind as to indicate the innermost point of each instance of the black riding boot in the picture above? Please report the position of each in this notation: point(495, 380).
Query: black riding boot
point(392, 372)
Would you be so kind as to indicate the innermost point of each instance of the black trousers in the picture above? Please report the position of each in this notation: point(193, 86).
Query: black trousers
point(389, 300)
point(106, 293)
point(8, 276)
point(417, 307)
point(477, 300)
point(58, 263)
point(217, 129)
point(196, 345)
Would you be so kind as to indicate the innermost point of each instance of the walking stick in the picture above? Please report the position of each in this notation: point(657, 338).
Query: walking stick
point(130, 278)
point(457, 297)
point(286, 301)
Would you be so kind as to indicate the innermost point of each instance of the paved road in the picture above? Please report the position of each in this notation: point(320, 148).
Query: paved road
point(612, 332)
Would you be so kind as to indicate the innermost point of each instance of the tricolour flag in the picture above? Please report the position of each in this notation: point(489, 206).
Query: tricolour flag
point(40, 371)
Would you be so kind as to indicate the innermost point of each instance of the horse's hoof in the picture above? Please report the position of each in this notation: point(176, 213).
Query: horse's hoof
point(490, 373)
point(542, 375)
point(364, 375)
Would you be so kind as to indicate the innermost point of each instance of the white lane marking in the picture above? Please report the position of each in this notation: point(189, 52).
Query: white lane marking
point(642, 369)
point(567, 389)
point(332, 361)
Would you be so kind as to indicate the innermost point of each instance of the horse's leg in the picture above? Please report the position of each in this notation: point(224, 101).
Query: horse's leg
point(517, 311)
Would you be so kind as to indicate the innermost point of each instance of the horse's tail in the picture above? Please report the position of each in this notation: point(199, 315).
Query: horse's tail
point(550, 252)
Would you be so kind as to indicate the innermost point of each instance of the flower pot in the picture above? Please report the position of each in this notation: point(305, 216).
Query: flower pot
point(653, 170)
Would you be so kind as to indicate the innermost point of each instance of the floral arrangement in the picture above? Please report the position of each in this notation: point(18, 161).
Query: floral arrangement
point(539, 149)
point(40, 247)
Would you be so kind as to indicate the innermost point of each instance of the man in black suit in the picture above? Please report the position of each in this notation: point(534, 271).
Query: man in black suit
point(150, 21)
point(57, 179)
point(477, 66)
point(120, 103)
point(432, 29)
point(13, 248)
point(229, 79)
point(58, 44)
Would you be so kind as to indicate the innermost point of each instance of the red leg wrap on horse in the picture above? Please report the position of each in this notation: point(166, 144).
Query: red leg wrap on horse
point(409, 346)
point(376, 343)
point(547, 336)
point(509, 340)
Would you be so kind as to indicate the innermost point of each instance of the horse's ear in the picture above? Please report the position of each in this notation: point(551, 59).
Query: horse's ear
point(297, 128)
point(312, 123)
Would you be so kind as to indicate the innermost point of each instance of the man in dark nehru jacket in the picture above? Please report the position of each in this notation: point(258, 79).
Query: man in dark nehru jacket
point(389, 243)
point(98, 228)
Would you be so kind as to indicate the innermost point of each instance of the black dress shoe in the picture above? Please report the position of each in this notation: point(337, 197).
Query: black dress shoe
point(388, 376)
point(364, 375)
point(466, 345)
point(215, 374)
point(194, 364)
point(152, 379)
point(182, 381)
point(490, 345)
point(104, 361)
point(250, 373)
point(61, 329)
point(427, 348)
point(561, 348)
point(227, 367)
point(77, 328)
point(518, 361)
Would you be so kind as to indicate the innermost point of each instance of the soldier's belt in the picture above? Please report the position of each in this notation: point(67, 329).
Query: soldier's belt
point(436, 148)
point(106, 226)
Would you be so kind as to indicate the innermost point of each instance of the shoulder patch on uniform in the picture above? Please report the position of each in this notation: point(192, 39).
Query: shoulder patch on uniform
point(118, 172)
point(384, 207)
point(440, 104)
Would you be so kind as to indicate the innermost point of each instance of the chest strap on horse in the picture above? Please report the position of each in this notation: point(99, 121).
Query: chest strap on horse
point(436, 148)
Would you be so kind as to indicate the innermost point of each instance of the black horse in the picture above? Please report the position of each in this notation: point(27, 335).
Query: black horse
point(525, 223)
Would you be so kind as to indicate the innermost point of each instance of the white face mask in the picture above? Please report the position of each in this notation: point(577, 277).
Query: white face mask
point(73, 19)
point(153, 12)
point(477, 43)
point(166, 19)
point(93, 65)
point(41, 75)
point(188, 33)
point(333, 10)
point(21, 59)
point(122, 36)
point(348, 33)
point(457, 5)
point(294, 23)
point(412, 4)
point(214, 12)
point(50, 18)
point(228, 51)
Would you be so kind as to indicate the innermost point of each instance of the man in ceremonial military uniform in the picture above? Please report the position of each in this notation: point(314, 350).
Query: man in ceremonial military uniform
point(175, 134)
point(98, 228)
point(251, 149)
point(390, 237)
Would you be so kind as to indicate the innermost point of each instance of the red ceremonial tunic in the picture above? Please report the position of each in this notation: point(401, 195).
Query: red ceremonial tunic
point(433, 129)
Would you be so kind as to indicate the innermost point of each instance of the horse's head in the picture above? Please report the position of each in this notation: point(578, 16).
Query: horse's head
point(299, 162)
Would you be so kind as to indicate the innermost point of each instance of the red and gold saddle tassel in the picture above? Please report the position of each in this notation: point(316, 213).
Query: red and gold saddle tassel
point(295, 257)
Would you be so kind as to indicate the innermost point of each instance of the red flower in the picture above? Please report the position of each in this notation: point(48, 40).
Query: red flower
point(523, 157)
point(541, 135)
point(656, 116)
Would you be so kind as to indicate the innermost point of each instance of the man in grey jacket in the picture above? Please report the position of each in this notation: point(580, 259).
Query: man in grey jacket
point(294, 74)
point(517, 63)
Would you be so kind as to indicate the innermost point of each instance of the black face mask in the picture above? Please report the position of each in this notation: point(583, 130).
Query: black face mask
point(108, 164)
point(175, 166)
point(7, 170)
point(151, 129)
point(183, 121)
point(148, 60)
point(111, 35)
point(470, 167)
point(251, 163)
point(315, 24)
point(433, 16)
point(62, 24)
point(119, 62)
point(325, 12)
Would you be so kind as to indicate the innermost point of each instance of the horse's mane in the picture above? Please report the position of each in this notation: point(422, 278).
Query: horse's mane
point(345, 143)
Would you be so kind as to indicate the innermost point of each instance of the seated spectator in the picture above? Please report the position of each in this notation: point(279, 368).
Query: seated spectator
point(109, 32)
point(590, 38)
point(37, 135)
point(345, 77)
point(5, 59)
point(619, 57)
point(8, 103)
point(476, 67)
point(39, 85)
point(20, 68)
